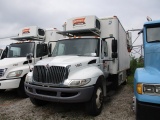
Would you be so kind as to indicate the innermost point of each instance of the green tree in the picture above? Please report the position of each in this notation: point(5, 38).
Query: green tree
point(136, 63)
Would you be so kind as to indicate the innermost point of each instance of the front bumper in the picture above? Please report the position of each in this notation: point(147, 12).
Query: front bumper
point(67, 95)
point(9, 83)
point(147, 111)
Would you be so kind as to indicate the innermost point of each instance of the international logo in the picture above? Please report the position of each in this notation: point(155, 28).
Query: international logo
point(47, 66)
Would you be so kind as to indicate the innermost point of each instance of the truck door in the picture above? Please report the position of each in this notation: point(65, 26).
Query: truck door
point(51, 45)
point(41, 52)
point(104, 58)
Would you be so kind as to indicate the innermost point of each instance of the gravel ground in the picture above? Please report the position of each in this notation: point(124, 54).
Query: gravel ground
point(14, 108)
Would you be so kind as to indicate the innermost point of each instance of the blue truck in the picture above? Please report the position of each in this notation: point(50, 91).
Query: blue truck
point(146, 100)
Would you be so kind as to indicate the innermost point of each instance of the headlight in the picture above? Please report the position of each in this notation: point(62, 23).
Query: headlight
point(157, 89)
point(79, 82)
point(150, 89)
point(15, 74)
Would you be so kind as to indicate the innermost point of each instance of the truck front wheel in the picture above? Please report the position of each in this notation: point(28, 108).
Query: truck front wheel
point(21, 91)
point(2, 90)
point(37, 102)
point(94, 106)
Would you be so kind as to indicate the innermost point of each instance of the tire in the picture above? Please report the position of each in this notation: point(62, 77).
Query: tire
point(21, 90)
point(137, 111)
point(2, 90)
point(38, 102)
point(94, 106)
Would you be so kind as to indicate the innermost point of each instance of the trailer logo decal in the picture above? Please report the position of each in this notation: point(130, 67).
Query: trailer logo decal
point(79, 21)
point(25, 31)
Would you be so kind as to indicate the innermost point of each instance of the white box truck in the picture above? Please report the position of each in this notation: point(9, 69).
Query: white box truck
point(14, 67)
point(84, 67)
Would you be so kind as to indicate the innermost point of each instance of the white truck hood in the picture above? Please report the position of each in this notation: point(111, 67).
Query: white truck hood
point(11, 61)
point(74, 61)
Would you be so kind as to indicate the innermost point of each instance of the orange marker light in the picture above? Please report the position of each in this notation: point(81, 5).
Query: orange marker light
point(139, 88)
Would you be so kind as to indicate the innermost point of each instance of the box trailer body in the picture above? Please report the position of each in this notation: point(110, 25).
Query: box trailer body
point(82, 66)
point(13, 68)
point(112, 26)
point(146, 101)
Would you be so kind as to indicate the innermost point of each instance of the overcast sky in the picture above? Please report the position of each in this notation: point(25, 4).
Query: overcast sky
point(15, 14)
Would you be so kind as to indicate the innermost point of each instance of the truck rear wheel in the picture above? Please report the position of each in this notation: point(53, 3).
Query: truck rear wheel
point(37, 102)
point(94, 106)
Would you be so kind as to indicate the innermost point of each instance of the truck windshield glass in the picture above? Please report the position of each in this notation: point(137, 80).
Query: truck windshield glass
point(153, 33)
point(20, 49)
point(79, 46)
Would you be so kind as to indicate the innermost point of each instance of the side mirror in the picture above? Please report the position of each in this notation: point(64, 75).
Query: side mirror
point(50, 48)
point(114, 49)
point(29, 56)
point(114, 45)
point(114, 55)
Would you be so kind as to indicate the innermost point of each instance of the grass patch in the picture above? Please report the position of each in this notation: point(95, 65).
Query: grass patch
point(130, 80)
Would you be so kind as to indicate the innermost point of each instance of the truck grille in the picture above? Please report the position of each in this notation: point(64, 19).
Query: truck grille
point(1, 72)
point(53, 74)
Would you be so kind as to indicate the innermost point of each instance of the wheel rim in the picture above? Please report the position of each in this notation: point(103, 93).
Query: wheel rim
point(99, 97)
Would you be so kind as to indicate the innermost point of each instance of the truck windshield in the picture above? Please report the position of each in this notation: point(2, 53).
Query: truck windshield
point(20, 49)
point(79, 46)
point(153, 33)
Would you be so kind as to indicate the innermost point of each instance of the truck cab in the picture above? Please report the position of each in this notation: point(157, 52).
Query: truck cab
point(146, 80)
point(83, 65)
point(13, 69)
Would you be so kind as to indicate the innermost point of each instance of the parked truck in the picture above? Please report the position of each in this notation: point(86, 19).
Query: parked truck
point(14, 68)
point(146, 101)
point(83, 66)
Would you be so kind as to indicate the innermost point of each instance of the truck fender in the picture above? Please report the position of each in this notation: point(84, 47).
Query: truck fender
point(92, 72)
point(87, 72)
point(25, 69)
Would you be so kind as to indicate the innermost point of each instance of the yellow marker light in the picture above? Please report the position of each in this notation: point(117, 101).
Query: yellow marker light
point(139, 88)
